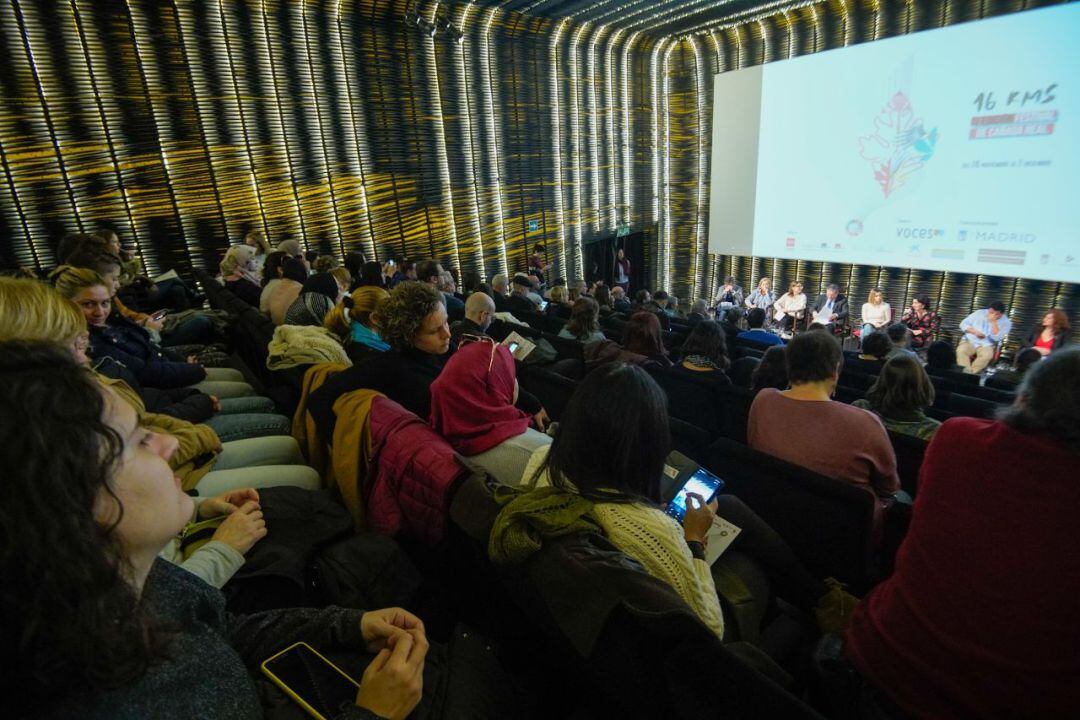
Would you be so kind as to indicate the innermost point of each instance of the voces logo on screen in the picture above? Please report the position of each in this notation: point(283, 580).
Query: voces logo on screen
point(917, 233)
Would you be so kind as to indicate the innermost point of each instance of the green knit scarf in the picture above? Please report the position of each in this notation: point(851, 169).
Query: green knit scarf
point(529, 517)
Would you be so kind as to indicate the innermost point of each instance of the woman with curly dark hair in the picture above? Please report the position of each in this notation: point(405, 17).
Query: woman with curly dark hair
point(704, 353)
point(413, 322)
point(95, 625)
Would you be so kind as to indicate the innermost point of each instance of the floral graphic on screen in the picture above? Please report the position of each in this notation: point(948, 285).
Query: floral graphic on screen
point(900, 145)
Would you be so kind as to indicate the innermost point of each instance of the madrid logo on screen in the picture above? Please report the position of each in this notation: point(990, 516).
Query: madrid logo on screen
point(899, 147)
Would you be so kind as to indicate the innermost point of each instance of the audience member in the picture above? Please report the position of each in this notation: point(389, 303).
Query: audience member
point(790, 307)
point(971, 624)
point(771, 371)
point(188, 328)
point(673, 310)
point(762, 298)
point(98, 625)
point(699, 312)
point(354, 262)
point(292, 249)
point(876, 313)
point(256, 240)
point(370, 274)
point(603, 470)
point(618, 300)
point(473, 407)
point(324, 264)
point(293, 276)
point(657, 304)
point(1051, 334)
point(130, 345)
point(831, 308)
point(479, 313)
point(922, 321)
point(237, 273)
point(431, 272)
point(803, 425)
point(900, 396)
point(584, 323)
point(900, 339)
point(704, 353)
point(756, 333)
point(351, 321)
point(558, 307)
point(731, 321)
point(318, 296)
point(34, 311)
point(940, 359)
point(641, 298)
point(730, 295)
point(519, 301)
point(642, 336)
point(412, 321)
point(271, 278)
point(602, 296)
point(876, 348)
point(500, 287)
point(983, 330)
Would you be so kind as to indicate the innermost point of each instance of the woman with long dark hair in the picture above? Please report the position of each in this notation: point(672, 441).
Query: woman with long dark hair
point(95, 625)
point(642, 336)
point(704, 353)
point(584, 323)
point(604, 468)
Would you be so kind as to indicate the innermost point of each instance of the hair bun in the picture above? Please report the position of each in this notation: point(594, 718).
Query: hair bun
point(347, 301)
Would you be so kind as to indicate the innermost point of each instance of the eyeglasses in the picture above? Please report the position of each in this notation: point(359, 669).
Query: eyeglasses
point(468, 339)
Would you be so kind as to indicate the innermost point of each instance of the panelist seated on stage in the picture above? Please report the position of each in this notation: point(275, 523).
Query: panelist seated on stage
point(790, 307)
point(983, 330)
point(831, 308)
point(730, 295)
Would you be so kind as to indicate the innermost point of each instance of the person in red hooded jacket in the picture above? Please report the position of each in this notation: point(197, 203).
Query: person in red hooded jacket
point(473, 407)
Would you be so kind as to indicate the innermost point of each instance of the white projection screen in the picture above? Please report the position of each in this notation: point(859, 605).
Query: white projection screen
point(953, 149)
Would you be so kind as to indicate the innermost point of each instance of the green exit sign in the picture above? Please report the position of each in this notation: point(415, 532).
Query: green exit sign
point(534, 225)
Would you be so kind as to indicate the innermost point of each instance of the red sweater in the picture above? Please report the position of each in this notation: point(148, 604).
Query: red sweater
point(981, 617)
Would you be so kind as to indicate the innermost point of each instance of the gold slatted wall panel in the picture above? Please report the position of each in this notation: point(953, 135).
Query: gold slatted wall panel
point(184, 124)
point(798, 31)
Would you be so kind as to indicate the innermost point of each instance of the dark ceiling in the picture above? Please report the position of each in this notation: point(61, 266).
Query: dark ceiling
point(651, 17)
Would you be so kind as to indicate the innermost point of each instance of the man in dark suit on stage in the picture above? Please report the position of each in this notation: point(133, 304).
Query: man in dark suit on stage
point(831, 309)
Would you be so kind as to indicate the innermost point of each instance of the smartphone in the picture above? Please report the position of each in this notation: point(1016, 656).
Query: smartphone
point(702, 483)
point(543, 305)
point(312, 681)
point(159, 315)
point(513, 346)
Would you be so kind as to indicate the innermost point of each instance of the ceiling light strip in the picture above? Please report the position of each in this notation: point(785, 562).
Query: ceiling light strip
point(613, 175)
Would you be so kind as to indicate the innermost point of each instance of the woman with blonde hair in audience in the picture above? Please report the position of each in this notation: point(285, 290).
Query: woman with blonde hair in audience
point(584, 323)
point(876, 313)
point(900, 396)
point(239, 276)
point(351, 321)
point(132, 346)
point(32, 311)
point(96, 625)
point(559, 305)
point(256, 240)
point(188, 329)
